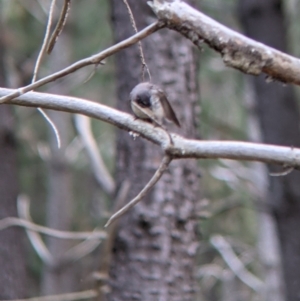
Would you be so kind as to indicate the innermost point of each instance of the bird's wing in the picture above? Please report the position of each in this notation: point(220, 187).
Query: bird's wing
point(169, 112)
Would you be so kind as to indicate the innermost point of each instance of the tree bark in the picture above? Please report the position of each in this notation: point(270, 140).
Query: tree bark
point(154, 253)
point(279, 120)
point(12, 251)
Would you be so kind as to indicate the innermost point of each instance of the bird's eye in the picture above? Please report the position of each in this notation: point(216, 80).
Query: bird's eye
point(139, 100)
point(143, 100)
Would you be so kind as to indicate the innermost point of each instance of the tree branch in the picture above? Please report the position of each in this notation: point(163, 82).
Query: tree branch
point(94, 59)
point(235, 264)
point(78, 251)
point(161, 169)
point(142, 57)
point(34, 236)
point(37, 66)
point(237, 50)
point(59, 26)
point(98, 166)
point(45, 41)
point(63, 297)
point(14, 221)
point(182, 148)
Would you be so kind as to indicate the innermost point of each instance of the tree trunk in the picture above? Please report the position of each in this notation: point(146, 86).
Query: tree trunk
point(279, 120)
point(12, 251)
point(154, 253)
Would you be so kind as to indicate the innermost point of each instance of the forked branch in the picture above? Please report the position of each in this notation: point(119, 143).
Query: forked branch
point(92, 60)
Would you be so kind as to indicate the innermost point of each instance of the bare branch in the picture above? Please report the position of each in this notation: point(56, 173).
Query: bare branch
point(37, 66)
point(142, 57)
point(33, 236)
point(237, 50)
point(235, 264)
point(73, 254)
point(163, 166)
point(100, 171)
point(284, 172)
point(94, 59)
point(182, 148)
point(44, 45)
point(79, 251)
point(52, 125)
point(14, 221)
point(59, 26)
point(63, 297)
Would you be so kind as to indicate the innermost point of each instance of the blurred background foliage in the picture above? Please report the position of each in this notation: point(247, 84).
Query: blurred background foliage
point(229, 197)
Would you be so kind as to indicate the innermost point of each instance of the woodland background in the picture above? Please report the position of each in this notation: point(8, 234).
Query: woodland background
point(244, 214)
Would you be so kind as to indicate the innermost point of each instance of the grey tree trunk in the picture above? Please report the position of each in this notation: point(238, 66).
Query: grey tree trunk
point(154, 252)
point(12, 251)
point(279, 120)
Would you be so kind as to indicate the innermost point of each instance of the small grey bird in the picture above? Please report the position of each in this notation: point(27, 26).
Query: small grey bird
point(149, 102)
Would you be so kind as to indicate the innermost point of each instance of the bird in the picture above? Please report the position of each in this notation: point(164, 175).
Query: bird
point(149, 102)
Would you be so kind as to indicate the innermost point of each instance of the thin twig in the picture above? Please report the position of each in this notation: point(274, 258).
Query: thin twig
point(45, 41)
point(235, 264)
point(94, 59)
point(73, 254)
point(98, 166)
point(63, 297)
point(52, 125)
point(142, 57)
point(59, 26)
point(163, 166)
point(284, 172)
point(34, 237)
point(37, 66)
point(93, 72)
point(79, 251)
point(14, 221)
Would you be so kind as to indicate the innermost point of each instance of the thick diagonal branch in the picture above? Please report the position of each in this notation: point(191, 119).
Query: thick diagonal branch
point(237, 50)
